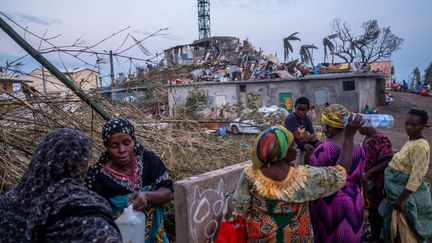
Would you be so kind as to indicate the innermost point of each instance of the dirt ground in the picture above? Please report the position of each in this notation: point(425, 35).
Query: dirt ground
point(402, 103)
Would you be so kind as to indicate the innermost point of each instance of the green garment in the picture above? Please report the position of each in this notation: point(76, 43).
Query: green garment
point(417, 207)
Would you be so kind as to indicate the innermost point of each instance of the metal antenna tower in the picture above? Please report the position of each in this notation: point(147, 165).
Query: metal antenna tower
point(204, 19)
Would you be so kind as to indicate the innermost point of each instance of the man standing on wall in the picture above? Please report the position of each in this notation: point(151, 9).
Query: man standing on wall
point(299, 123)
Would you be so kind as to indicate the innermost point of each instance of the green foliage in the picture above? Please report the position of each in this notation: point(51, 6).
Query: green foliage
point(196, 101)
point(287, 44)
point(328, 46)
point(416, 76)
point(428, 75)
point(306, 56)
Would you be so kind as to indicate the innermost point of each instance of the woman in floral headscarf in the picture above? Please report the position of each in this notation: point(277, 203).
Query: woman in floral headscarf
point(338, 217)
point(127, 173)
point(50, 203)
point(273, 193)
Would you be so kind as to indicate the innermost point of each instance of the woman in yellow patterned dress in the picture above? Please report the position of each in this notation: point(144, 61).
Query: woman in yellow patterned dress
point(408, 211)
point(273, 193)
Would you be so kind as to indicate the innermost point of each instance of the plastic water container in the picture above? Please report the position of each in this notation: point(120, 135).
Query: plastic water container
point(132, 225)
point(376, 120)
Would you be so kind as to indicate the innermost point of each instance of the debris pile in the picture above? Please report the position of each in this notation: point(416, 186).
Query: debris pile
point(224, 59)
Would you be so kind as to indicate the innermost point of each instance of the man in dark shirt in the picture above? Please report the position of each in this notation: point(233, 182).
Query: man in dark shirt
point(299, 123)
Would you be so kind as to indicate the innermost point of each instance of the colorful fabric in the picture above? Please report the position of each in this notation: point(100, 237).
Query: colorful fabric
point(52, 183)
point(271, 146)
point(334, 115)
point(154, 217)
point(417, 208)
point(413, 159)
point(378, 149)
point(339, 217)
point(277, 211)
point(150, 173)
point(117, 125)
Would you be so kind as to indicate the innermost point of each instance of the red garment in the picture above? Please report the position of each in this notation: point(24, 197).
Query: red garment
point(377, 150)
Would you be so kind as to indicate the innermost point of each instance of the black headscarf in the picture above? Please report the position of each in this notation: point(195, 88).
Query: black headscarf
point(114, 126)
point(52, 182)
point(117, 125)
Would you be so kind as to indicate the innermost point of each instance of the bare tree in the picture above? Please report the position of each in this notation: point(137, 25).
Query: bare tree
point(373, 44)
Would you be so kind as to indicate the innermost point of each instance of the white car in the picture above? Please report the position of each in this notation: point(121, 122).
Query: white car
point(244, 124)
point(248, 123)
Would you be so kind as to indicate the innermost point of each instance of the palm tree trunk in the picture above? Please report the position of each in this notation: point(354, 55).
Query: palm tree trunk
point(332, 54)
point(325, 54)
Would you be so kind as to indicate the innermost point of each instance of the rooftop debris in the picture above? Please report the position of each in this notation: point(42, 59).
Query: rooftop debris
point(224, 59)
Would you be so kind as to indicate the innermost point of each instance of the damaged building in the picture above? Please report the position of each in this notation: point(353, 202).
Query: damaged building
point(200, 50)
point(353, 90)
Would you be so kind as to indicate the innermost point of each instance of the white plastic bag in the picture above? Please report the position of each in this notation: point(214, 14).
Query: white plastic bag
point(132, 225)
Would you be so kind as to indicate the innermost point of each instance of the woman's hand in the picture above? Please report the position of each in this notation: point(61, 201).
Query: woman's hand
point(353, 125)
point(401, 199)
point(345, 158)
point(399, 205)
point(139, 200)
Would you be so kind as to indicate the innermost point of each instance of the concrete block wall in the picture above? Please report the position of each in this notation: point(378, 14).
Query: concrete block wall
point(201, 201)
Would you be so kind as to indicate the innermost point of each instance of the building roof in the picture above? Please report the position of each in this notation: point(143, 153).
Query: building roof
point(75, 70)
point(20, 79)
point(176, 47)
point(109, 89)
point(214, 38)
point(329, 76)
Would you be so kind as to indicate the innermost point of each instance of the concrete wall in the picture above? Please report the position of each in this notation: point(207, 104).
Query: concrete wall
point(318, 88)
point(201, 201)
point(85, 79)
point(179, 55)
point(385, 67)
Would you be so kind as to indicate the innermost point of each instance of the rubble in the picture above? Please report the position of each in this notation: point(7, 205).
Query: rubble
point(224, 59)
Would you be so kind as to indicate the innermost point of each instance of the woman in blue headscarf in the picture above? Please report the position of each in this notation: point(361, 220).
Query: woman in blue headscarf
point(127, 173)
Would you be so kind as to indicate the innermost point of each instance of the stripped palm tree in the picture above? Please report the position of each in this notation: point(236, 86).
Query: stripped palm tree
point(328, 45)
point(306, 56)
point(287, 44)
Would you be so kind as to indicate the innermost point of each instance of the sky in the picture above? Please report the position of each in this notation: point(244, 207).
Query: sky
point(263, 22)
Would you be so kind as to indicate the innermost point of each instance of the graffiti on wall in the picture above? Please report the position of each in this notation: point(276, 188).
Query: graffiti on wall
point(207, 209)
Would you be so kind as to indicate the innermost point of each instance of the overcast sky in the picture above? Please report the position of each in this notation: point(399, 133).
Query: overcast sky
point(264, 22)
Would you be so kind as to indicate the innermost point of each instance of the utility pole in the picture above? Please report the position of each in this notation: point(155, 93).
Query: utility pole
point(112, 75)
point(99, 79)
point(43, 80)
point(52, 69)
